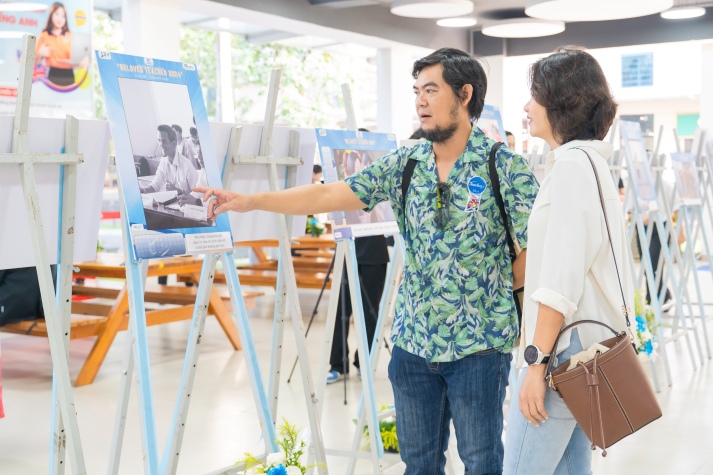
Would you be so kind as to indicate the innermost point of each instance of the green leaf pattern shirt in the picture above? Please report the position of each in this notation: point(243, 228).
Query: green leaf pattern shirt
point(455, 297)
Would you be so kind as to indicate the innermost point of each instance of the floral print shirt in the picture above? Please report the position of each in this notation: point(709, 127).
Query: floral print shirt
point(455, 297)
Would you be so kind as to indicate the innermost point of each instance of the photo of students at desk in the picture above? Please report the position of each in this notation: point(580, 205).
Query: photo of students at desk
point(167, 198)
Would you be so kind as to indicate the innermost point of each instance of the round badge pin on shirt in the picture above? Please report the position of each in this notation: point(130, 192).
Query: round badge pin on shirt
point(476, 185)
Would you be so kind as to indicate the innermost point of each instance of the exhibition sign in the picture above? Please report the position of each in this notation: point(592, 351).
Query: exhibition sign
point(151, 103)
point(632, 143)
point(491, 123)
point(61, 79)
point(684, 167)
point(343, 153)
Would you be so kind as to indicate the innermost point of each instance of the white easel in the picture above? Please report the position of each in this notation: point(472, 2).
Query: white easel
point(644, 232)
point(138, 357)
point(346, 252)
point(286, 290)
point(57, 311)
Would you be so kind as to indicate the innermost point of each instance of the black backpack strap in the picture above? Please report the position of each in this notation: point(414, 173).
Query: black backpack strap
point(406, 181)
point(495, 183)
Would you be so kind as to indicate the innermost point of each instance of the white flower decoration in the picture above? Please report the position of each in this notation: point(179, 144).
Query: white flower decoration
point(292, 470)
point(256, 470)
point(273, 460)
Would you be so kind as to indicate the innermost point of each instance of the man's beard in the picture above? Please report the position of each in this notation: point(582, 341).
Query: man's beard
point(440, 134)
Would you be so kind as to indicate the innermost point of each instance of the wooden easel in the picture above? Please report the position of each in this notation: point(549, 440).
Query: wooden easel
point(57, 308)
point(287, 298)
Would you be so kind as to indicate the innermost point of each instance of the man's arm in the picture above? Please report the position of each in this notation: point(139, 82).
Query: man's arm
point(302, 200)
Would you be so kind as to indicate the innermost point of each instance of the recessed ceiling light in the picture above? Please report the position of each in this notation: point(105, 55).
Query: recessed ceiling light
point(12, 35)
point(523, 28)
point(22, 7)
point(431, 8)
point(460, 22)
point(682, 13)
point(599, 10)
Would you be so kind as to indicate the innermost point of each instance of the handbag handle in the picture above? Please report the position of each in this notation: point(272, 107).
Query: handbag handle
point(550, 364)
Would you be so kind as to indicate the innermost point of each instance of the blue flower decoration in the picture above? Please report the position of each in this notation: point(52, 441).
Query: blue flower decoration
point(279, 470)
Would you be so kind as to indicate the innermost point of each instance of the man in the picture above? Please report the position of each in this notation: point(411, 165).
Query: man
point(511, 139)
point(456, 321)
point(174, 172)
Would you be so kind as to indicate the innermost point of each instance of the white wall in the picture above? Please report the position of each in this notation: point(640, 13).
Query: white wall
point(676, 89)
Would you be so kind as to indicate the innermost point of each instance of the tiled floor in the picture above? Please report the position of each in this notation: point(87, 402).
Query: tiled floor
point(222, 423)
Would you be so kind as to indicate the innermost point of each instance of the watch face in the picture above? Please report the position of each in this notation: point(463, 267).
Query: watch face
point(531, 354)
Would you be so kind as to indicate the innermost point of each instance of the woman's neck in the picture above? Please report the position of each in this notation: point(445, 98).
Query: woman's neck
point(56, 31)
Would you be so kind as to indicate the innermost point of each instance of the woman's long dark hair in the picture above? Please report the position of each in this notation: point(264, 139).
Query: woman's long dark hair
point(50, 26)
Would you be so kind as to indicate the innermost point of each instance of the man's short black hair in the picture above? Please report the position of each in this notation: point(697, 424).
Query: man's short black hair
point(169, 132)
point(509, 134)
point(459, 69)
point(194, 131)
point(177, 128)
point(317, 169)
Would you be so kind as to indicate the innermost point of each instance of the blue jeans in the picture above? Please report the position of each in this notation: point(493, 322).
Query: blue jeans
point(557, 447)
point(427, 395)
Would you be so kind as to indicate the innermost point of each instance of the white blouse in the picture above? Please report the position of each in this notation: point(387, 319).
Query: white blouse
point(569, 260)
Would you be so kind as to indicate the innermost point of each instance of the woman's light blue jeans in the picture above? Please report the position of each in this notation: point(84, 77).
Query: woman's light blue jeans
point(558, 446)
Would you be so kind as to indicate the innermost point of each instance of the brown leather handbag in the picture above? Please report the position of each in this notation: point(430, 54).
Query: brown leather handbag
point(610, 396)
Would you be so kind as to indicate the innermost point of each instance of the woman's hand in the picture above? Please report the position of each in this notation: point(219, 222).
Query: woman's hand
point(224, 200)
point(44, 51)
point(532, 394)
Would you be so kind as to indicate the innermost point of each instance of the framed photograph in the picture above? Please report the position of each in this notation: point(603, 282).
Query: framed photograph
point(344, 152)
point(61, 77)
point(632, 143)
point(491, 124)
point(163, 148)
point(687, 184)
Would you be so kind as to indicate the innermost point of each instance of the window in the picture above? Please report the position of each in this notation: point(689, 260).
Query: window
point(637, 70)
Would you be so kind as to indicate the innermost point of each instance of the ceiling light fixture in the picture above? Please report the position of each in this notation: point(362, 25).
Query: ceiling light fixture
point(683, 13)
point(431, 8)
point(523, 28)
point(460, 22)
point(22, 7)
point(599, 10)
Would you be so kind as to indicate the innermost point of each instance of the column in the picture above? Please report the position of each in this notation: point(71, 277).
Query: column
point(151, 28)
point(396, 111)
point(706, 120)
point(226, 104)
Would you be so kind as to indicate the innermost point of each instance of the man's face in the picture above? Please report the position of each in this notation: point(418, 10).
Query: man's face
point(168, 146)
point(438, 109)
point(194, 138)
point(179, 136)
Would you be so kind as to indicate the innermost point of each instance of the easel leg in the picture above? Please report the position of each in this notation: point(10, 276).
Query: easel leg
point(278, 337)
point(104, 340)
point(122, 408)
point(169, 461)
point(240, 314)
point(377, 449)
point(696, 278)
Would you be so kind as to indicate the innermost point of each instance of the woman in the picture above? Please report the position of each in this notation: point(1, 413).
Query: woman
point(54, 46)
point(571, 275)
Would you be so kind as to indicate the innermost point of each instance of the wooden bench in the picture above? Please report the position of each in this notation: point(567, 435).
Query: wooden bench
point(104, 320)
point(310, 268)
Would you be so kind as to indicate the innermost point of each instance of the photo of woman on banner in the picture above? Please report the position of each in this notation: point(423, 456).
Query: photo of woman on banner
point(55, 49)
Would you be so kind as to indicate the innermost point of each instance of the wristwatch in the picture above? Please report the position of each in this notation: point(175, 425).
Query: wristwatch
point(533, 355)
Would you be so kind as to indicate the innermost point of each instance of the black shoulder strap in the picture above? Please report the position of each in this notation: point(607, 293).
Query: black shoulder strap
point(495, 183)
point(406, 181)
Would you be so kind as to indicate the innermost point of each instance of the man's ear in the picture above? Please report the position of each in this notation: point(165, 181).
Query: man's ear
point(467, 90)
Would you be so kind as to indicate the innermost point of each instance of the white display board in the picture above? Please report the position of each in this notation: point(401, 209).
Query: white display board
point(47, 136)
point(250, 179)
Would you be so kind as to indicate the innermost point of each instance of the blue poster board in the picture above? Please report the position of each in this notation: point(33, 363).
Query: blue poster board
point(344, 152)
point(491, 124)
point(163, 148)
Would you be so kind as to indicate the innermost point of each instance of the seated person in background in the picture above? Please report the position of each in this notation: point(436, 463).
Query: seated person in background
point(511, 139)
point(20, 295)
point(175, 171)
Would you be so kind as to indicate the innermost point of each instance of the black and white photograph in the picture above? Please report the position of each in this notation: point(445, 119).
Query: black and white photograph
point(167, 154)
